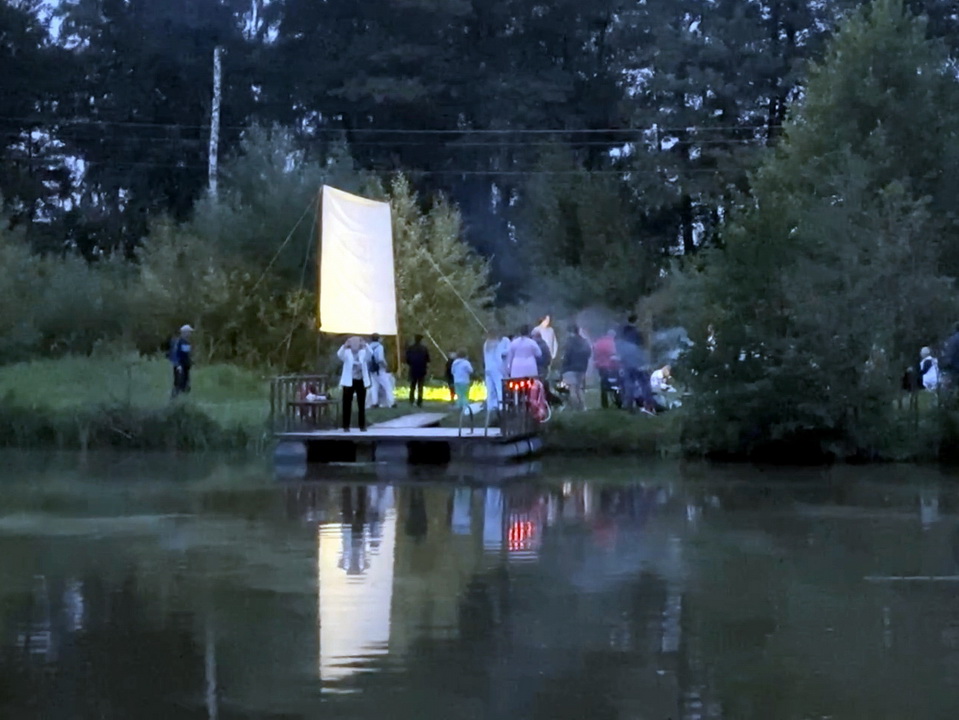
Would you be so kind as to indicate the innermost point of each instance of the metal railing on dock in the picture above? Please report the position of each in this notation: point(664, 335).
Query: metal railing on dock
point(515, 415)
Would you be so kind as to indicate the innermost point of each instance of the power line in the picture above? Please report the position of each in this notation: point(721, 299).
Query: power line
point(404, 131)
point(409, 171)
point(199, 143)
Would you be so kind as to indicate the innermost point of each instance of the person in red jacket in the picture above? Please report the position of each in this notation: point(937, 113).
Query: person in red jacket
point(607, 364)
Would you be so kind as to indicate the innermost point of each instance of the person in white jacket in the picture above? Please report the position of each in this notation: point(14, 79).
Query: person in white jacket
point(495, 350)
point(354, 379)
point(381, 391)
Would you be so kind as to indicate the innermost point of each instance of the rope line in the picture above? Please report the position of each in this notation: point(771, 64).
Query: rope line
point(453, 288)
point(282, 245)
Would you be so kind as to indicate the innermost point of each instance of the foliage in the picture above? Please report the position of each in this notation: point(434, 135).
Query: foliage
point(614, 432)
point(443, 287)
point(580, 239)
point(829, 282)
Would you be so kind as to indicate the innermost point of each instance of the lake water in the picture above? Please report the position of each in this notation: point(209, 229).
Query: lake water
point(163, 587)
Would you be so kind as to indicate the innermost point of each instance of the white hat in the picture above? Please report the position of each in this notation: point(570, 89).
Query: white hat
point(186, 328)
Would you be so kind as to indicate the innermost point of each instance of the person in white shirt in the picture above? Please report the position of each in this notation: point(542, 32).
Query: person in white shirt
point(462, 371)
point(381, 392)
point(928, 369)
point(354, 379)
point(660, 382)
point(495, 350)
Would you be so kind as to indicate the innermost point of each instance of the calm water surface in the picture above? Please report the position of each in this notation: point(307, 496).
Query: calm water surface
point(158, 587)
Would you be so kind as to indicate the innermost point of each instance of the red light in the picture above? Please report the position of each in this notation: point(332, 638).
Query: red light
point(520, 535)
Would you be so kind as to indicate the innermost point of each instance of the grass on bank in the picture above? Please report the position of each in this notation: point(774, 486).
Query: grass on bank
point(81, 402)
point(88, 402)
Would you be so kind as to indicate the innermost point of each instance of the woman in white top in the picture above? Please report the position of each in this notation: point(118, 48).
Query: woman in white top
point(354, 379)
point(522, 354)
point(495, 350)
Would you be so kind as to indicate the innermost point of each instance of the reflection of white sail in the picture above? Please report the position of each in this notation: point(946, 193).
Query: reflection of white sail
point(355, 579)
point(462, 499)
point(493, 520)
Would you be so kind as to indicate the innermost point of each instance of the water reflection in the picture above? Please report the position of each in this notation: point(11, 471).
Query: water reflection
point(559, 597)
point(355, 581)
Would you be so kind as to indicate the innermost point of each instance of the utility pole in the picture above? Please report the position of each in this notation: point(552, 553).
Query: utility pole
point(215, 117)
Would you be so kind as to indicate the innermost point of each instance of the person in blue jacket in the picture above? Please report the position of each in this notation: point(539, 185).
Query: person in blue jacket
point(181, 352)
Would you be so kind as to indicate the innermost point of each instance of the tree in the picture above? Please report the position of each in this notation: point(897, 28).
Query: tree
point(443, 288)
point(829, 282)
point(580, 238)
point(266, 211)
point(34, 178)
point(138, 114)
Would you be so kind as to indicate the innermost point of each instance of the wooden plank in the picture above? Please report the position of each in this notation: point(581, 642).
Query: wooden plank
point(415, 420)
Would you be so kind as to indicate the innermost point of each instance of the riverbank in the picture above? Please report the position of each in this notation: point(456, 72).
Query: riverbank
point(83, 403)
point(123, 402)
point(614, 432)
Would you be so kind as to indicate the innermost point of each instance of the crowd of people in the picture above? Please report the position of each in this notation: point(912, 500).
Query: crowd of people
point(619, 356)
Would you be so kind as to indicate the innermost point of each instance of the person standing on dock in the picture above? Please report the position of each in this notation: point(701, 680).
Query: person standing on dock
point(418, 360)
point(354, 379)
point(495, 350)
point(181, 355)
point(462, 371)
point(381, 391)
point(522, 356)
point(451, 358)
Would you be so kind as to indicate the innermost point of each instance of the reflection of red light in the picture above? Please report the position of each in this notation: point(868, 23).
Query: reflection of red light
point(520, 535)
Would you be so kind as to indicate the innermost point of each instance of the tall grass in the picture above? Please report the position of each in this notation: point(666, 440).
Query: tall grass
point(125, 401)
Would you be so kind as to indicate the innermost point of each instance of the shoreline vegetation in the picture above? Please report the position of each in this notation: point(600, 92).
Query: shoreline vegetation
point(87, 403)
point(81, 403)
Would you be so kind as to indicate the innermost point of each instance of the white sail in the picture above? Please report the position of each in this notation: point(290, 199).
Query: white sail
point(357, 276)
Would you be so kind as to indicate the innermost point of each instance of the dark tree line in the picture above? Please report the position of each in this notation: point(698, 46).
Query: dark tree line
point(663, 104)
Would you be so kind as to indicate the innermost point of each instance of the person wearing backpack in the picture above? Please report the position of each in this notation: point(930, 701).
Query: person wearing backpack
point(381, 391)
point(181, 356)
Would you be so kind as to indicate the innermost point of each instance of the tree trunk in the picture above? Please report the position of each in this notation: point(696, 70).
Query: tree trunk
point(686, 224)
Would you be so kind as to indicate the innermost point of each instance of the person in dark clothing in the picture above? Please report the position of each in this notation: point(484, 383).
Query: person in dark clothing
point(632, 358)
point(545, 358)
point(542, 368)
point(950, 359)
point(449, 376)
point(181, 355)
point(629, 333)
point(575, 363)
point(418, 360)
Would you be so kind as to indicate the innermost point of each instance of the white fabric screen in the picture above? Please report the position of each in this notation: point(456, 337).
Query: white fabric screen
point(357, 282)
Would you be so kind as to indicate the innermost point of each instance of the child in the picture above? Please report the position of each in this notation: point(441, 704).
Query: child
point(449, 375)
point(462, 372)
